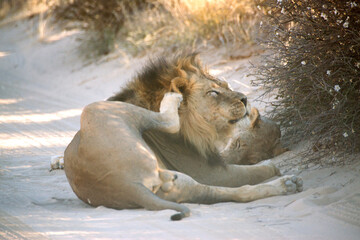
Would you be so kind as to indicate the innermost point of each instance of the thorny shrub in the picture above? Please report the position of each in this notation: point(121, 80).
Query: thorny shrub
point(312, 73)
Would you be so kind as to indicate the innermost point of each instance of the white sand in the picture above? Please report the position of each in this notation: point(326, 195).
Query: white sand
point(43, 87)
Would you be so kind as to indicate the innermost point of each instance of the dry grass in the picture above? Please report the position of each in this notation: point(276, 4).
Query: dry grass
point(143, 25)
point(140, 26)
point(101, 20)
point(177, 24)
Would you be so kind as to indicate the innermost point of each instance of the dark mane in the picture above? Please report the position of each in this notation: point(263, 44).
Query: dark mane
point(162, 75)
point(154, 79)
point(149, 77)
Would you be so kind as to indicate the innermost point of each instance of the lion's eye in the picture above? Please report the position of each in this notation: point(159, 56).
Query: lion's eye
point(213, 93)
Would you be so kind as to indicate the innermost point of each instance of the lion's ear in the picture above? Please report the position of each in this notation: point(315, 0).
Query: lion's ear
point(254, 117)
point(179, 85)
point(279, 150)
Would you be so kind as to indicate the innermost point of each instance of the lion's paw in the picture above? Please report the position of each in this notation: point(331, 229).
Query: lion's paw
point(177, 97)
point(167, 179)
point(290, 184)
point(169, 100)
point(57, 162)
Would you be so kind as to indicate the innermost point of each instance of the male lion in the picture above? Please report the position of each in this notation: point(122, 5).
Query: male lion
point(208, 113)
point(208, 117)
point(108, 163)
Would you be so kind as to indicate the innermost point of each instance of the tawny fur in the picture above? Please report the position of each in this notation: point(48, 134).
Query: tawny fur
point(108, 163)
point(204, 120)
point(256, 138)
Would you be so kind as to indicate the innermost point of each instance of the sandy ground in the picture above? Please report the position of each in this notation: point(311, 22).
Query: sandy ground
point(43, 87)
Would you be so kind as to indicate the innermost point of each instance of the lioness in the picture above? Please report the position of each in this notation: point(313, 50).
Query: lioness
point(109, 163)
point(256, 138)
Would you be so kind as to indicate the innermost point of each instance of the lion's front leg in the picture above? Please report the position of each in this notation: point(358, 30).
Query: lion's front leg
point(179, 187)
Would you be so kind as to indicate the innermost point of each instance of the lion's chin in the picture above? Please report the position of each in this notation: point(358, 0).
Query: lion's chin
point(235, 120)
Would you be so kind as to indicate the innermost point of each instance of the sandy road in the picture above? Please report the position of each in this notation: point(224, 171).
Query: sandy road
point(43, 88)
point(33, 126)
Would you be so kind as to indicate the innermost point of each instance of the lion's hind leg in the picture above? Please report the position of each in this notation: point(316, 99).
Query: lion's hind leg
point(185, 189)
point(169, 117)
point(56, 162)
point(284, 185)
point(167, 120)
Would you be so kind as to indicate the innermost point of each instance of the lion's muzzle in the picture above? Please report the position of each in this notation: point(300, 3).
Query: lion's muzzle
point(238, 109)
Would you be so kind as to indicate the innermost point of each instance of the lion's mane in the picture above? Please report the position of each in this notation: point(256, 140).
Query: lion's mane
point(179, 74)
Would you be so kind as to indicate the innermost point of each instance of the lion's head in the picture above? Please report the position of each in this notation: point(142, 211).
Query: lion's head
point(209, 110)
point(256, 138)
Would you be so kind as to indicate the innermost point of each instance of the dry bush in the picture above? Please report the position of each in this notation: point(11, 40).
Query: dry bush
point(185, 23)
point(10, 7)
point(142, 25)
point(225, 21)
point(151, 24)
point(101, 19)
point(313, 71)
point(147, 28)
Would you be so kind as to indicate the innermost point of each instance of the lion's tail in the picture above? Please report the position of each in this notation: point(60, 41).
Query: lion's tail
point(148, 200)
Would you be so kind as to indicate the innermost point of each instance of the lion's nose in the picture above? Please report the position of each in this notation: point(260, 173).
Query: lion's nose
point(244, 100)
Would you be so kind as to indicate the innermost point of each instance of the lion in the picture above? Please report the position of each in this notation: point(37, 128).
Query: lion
point(209, 115)
point(109, 163)
point(255, 138)
point(209, 112)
